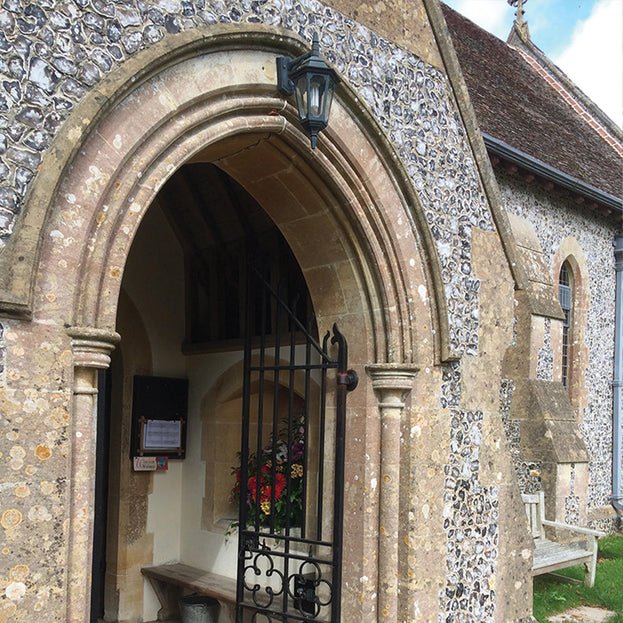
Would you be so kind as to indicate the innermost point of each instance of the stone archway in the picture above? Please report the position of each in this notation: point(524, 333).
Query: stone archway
point(152, 136)
point(220, 105)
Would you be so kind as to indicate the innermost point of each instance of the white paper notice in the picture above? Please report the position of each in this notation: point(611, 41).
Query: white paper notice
point(160, 434)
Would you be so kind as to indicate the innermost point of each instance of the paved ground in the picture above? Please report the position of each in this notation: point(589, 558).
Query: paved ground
point(583, 614)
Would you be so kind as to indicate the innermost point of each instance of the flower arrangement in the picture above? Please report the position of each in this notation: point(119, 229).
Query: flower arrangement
point(283, 456)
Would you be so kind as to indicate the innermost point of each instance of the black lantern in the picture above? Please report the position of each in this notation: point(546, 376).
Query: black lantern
point(314, 82)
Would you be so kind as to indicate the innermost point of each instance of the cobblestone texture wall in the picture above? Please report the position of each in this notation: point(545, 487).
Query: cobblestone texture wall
point(528, 472)
point(553, 221)
point(545, 361)
point(470, 517)
point(572, 502)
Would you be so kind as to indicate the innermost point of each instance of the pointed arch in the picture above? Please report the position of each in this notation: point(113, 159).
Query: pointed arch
point(347, 210)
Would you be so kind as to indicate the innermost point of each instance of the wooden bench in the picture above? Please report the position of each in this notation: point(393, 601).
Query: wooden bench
point(168, 581)
point(550, 555)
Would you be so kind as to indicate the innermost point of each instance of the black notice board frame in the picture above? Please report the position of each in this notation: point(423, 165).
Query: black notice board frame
point(158, 399)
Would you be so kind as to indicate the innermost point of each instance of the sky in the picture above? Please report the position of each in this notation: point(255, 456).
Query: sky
point(583, 37)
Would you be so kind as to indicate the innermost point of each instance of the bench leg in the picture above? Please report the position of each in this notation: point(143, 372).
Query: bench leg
point(591, 567)
point(168, 596)
point(589, 573)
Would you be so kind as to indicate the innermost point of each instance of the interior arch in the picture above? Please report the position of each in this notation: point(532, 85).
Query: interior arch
point(221, 407)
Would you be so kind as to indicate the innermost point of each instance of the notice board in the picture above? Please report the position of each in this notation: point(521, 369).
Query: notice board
point(159, 416)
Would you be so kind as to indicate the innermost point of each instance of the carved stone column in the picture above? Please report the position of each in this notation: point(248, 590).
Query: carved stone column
point(91, 351)
point(392, 384)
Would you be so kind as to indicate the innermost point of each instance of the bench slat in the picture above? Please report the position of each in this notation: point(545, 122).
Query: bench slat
point(194, 579)
point(548, 554)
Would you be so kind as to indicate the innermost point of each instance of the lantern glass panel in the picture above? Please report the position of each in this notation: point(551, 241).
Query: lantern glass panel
point(317, 92)
point(329, 98)
point(301, 97)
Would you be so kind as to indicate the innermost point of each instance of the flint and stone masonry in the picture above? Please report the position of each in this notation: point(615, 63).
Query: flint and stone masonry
point(396, 223)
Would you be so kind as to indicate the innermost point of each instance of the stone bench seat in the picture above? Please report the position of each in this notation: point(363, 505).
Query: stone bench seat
point(169, 581)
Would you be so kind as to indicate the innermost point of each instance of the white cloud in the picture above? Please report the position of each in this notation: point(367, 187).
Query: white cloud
point(492, 15)
point(594, 57)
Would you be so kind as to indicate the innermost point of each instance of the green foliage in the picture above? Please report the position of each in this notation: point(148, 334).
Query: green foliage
point(553, 595)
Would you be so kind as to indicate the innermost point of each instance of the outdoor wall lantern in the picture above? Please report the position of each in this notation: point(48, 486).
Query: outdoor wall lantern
point(314, 82)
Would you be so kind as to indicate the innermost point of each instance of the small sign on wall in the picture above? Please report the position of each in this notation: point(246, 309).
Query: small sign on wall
point(162, 434)
point(151, 463)
point(144, 463)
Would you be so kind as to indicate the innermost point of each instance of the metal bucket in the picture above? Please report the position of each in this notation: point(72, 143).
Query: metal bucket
point(199, 609)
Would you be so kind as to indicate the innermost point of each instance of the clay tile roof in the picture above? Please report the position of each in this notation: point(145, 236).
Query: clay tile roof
point(515, 104)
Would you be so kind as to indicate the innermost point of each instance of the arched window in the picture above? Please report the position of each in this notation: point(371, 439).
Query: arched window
point(571, 276)
point(565, 296)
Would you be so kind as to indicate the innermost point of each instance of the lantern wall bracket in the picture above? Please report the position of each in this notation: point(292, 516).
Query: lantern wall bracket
point(286, 86)
point(313, 81)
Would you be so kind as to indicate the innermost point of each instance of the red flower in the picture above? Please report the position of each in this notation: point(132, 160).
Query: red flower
point(280, 485)
point(267, 480)
point(265, 488)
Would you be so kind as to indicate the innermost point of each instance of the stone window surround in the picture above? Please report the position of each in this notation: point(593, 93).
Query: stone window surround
point(570, 252)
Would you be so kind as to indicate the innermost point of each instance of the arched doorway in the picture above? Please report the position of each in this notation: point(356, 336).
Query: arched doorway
point(182, 308)
point(339, 209)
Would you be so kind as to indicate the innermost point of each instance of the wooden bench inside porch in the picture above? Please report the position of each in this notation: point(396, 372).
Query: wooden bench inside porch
point(550, 555)
point(169, 581)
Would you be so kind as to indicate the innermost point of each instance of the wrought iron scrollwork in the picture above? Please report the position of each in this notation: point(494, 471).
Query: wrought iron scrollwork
point(263, 596)
point(305, 589)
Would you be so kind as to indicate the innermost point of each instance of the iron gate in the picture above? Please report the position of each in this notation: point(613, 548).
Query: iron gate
point(291, 477)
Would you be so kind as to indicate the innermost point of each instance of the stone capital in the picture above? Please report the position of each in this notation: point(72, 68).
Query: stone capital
point(91, 347)
point(392, 382)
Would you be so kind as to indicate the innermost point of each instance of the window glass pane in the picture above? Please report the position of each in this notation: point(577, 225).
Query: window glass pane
point(565, 296)
point(327, 106)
